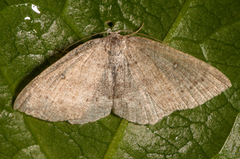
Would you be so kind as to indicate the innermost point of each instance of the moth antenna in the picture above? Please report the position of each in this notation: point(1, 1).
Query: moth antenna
point(84, 39)
point(132, 32)
point(136, 31)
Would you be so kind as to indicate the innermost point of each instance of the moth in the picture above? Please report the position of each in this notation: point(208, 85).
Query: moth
point(136, 78)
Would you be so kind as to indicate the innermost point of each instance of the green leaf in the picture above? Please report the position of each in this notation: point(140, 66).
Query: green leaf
point(31, 30)
point(232, 145)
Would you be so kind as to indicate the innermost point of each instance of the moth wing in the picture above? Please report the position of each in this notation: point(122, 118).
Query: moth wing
point(171, 79)
point(74, 88)
point(130, 100)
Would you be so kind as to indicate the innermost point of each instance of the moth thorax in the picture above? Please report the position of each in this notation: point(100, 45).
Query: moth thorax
point(116, 45)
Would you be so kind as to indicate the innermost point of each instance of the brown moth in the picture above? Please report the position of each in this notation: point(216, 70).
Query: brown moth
point(137, 78)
